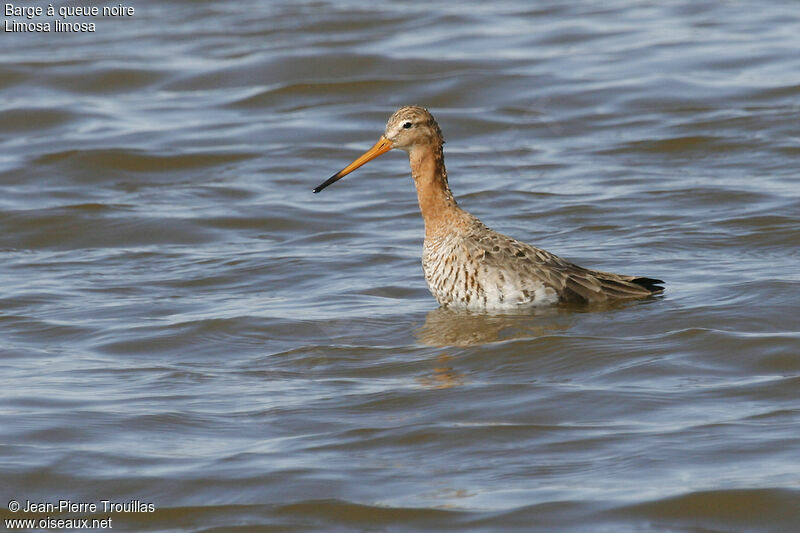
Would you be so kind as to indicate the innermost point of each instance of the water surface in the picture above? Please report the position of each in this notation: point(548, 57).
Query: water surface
point(183, 323)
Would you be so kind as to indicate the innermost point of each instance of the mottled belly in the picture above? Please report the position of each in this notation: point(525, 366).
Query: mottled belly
point(478, 287)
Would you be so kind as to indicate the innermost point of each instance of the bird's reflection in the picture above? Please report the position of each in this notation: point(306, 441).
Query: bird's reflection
point(448, 328)
point(445, 327)
point(443, 376)
point(458, 329)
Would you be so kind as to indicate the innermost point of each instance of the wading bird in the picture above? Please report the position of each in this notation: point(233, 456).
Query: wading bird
point(466, 264)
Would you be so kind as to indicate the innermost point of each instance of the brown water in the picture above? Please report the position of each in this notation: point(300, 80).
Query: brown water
point(183, 323)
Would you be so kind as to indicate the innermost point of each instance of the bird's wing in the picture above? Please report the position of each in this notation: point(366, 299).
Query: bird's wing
point(533, 267)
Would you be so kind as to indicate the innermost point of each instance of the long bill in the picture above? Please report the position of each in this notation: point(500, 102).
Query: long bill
point(381, 147)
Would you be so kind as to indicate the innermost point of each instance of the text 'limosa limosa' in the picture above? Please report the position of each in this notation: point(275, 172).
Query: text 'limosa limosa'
point(466, 264)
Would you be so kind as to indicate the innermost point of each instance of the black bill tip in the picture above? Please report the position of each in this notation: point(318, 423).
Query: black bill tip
point(327, 182)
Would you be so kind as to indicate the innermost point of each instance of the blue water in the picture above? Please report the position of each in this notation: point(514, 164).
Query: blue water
point(183, 323)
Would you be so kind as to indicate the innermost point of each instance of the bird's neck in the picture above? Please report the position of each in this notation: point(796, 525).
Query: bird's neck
point(436, 202)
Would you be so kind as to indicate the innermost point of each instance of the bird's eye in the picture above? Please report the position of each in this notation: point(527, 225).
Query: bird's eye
point(407, 125)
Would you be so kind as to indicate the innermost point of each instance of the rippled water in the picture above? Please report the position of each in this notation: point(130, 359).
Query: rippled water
point(183, 323)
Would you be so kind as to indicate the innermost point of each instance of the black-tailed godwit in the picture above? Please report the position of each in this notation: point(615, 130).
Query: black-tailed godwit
point(466, 264)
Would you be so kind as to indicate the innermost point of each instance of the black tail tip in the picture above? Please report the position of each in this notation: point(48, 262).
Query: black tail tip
point(651, 284)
